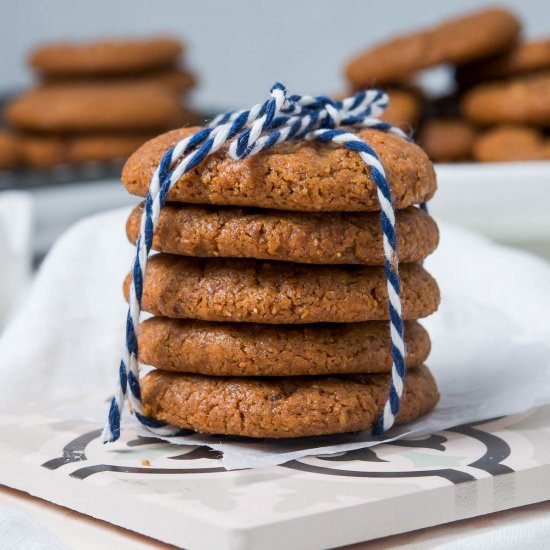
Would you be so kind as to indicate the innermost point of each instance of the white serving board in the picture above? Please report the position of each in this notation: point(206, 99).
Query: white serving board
point(183, 496)
point(506, 201)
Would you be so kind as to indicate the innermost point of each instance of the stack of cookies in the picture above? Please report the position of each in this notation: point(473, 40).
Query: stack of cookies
point(500, 109)
point(268, 294)
point(98, 101)
point(509, 99)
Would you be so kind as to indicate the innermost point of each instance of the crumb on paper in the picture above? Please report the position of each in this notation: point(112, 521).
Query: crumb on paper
point(145, 462)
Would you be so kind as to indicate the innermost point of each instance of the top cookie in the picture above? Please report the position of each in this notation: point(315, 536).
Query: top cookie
point(303, 176)
point(459, 41)
point(108, 57)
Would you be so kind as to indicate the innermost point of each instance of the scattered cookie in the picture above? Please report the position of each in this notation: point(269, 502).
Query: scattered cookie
point(447, 140)
point(458, 41)
point(237, 349)
point(529, 57)
point(282, 407)
point(47, 151)
point(303, 237)
point(521, 101)
point(276, 292)
point(512, 143)
point(109, 57)
point(89, 107)
point(9, 150)
point(303, 176)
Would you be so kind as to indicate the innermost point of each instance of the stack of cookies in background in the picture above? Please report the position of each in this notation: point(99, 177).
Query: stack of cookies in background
point(504, 119)
point(268, 294)
point(509, 98)
point(97, 101)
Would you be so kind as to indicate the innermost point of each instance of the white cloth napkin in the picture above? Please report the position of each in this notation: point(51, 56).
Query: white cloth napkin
point(18, 531)
point(16, 214)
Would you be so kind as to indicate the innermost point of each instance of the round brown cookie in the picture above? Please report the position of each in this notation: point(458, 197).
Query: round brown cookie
point(458, 41)
point(258, 291)
point(403, 109)
point(282, 407)
point(447, 140)
point(511, 143)
point(95, 107)
point(294, 175)
point(526, 58)
point(46, 151)
point(521, 101)
point(9, 150)
point(177, 80)
point(105, 57)
point(244, 349)
point(303, 237)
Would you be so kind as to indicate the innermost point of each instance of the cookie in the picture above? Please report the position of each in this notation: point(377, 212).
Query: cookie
point(302, 237)
point(294, 175)
point(447, 140)
point(106, 57)
point(244, 349)
point(282, 407)
point(277, 292)
point(458, 41)
point(178, 80)
point(9, 150)
point(526, 58)
point(520, 101)
point(511, 143)
point(403, 109)
point(96, 108)
point(47, 151)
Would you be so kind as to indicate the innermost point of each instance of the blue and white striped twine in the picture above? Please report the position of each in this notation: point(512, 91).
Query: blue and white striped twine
point(248, 132)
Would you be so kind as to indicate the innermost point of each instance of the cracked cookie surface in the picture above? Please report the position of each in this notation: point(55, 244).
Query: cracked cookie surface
point(276, 292)
point(303, 176)
point(302, 237)
point(237, 349)
point(282, 407)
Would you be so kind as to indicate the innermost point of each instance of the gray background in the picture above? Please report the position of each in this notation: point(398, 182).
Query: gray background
point(240, 47)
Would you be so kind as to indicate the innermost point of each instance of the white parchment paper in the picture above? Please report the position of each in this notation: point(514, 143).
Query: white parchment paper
point(490, 337)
